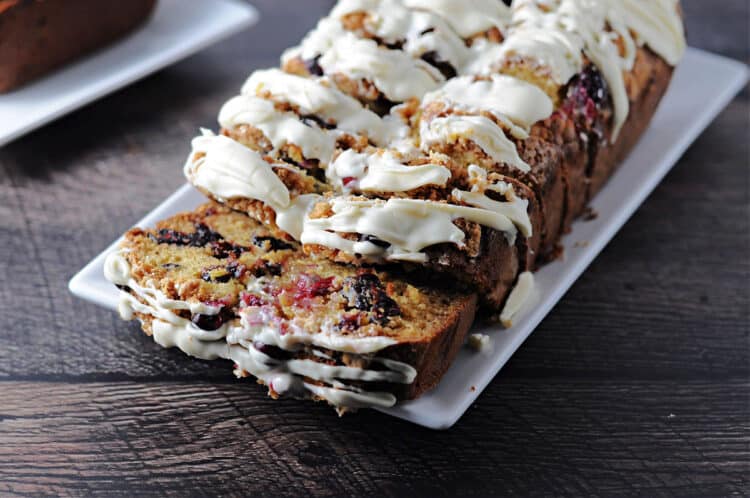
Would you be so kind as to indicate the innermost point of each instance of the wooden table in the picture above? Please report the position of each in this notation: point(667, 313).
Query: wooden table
point(636, 384)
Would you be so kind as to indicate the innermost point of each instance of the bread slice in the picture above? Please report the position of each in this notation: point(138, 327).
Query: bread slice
point(217, 284)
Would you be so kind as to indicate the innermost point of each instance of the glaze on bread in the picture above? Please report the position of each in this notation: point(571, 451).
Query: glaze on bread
point(217, 284)
point(544, 97)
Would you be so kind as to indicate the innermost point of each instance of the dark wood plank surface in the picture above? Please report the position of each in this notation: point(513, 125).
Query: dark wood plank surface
point(638, 383)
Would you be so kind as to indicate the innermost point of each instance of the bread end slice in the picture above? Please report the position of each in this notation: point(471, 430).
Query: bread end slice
point(217, 284)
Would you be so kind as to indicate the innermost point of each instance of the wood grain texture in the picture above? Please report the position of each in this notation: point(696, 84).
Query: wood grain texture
point(570, 438)
point(658, 325)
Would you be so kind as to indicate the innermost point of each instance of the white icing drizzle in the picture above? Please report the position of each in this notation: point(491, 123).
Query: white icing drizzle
point(467, 17)
point(172, 335)
point(228, 169)
point(556, 33)
point(482, 131)
point(262, 323)
point(234, 341)
point(558, 51)
point(410, 225)
point(382, 172)
point(515, 210)
point(290, 219)
point(482, 343)
point(280, 128)
point(117, 271)
point(317, 97)
point(389, 19)
point(658, 24)
point(407, 225)
point(514, 102)
point(316, 42)
point(395, 73)
point(518, 297)
point(399, 136)
point(352, 398)
point(419, 31)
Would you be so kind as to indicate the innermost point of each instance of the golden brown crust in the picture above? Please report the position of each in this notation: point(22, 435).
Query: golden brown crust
point(560, 131)
point(432, 358)
point(37, 37)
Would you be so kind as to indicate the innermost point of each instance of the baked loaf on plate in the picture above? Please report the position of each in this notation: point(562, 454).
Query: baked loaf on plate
point(217, 284)
point(37, 36)
point(455, 140)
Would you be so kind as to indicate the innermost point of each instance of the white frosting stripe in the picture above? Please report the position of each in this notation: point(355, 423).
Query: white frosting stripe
point(395, 73)
point(280, 128)
point(480, 130)
point(513, 102)
point(418, 32)
point(467, 17)
point(519, 296)
point(352, 399)
point(516, 211)
point(262, 323)
point(382, 172)
point(510, 99)
point(556, 34)
point(656, 23)
point(229, 170)
point(407, 225)
point(319, 98)
point(291, 218)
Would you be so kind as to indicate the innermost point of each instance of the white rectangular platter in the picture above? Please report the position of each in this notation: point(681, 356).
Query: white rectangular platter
point(703, 85)
point(177, 29)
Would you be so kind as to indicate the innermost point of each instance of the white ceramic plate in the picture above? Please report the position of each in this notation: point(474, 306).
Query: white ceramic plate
point(703, 85)
point(177, 29)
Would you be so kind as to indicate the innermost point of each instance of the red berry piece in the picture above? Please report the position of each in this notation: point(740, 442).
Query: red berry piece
point(249, 299)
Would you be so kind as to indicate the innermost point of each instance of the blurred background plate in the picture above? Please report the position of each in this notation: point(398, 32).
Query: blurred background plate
point(177, 29)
